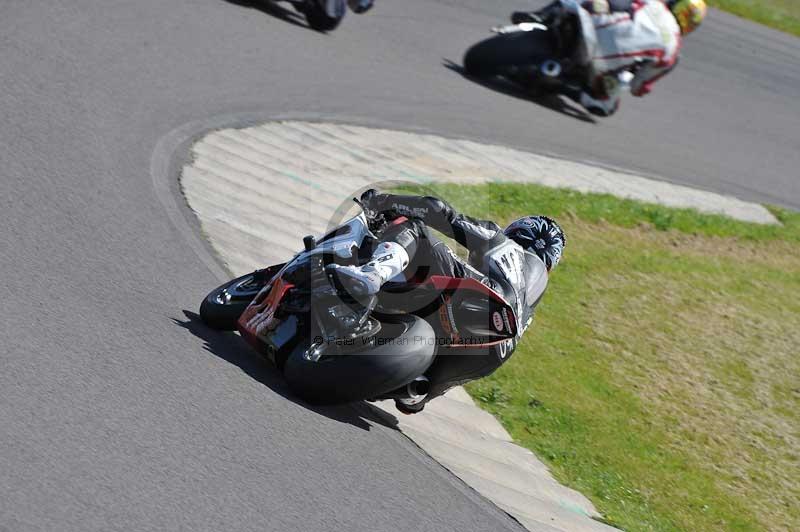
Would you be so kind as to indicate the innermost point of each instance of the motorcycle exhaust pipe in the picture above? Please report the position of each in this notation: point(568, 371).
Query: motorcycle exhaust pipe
point(419, 387)
point(550, 68)
point(413, 392)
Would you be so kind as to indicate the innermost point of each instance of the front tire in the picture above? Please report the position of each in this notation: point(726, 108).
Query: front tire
point(497, 55)
point(404, 349)
point(222, 306)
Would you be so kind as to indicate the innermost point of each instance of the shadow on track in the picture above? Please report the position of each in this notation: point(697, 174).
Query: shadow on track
point(551, 101)
point(273, 9)
point(232, 348)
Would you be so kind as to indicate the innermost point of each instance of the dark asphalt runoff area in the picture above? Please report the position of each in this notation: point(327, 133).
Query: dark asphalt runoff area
point(117, 412)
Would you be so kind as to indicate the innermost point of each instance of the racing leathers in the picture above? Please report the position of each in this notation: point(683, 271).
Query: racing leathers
point(520, 276)
point(640, 37)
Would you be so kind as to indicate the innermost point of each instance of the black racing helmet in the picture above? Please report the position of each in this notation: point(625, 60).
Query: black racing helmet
point(540, 235)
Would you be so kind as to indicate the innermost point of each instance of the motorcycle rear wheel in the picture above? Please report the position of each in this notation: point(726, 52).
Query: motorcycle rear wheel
point(403, 349)
point(319, 16)
point(497, 55)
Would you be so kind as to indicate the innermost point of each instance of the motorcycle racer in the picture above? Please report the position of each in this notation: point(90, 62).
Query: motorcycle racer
point(514, 261)
point(641, 37)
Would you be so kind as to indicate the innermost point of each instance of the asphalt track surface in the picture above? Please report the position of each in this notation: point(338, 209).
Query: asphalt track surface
point(117, 412)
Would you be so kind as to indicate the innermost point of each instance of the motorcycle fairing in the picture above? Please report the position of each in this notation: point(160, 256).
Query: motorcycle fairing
point(259, 319)
point(472, 314)
point(260, 324)
point(588, 41)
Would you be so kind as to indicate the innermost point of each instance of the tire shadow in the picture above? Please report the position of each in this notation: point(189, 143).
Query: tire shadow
point(551, 101)
point(231, 348)
point(274, 9)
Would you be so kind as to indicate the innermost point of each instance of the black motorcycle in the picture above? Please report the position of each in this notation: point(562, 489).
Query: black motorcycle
point(533, 55)
point(326, 15)
point(335, 348)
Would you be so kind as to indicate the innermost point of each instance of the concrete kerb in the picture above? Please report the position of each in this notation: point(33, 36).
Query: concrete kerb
point(230, 175)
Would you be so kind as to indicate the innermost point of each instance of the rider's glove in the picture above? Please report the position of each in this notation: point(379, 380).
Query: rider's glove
point(369, 199)
point(596, 7)
point(599, 107)
point(369, 202)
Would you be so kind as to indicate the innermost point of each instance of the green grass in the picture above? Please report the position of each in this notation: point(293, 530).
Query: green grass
point(660, 376)
point(783, 15)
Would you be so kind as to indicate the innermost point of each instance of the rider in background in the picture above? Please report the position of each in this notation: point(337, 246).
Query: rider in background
point(642, 37)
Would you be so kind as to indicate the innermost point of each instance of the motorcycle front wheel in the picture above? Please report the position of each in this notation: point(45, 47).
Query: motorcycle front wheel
point(222, 306)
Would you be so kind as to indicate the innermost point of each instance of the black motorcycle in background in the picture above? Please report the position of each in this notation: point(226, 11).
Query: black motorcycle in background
point(532, 55)
point(326, 15)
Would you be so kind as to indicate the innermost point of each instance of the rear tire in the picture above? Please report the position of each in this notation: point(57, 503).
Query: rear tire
point(222, 307)
point(318, 14)
point(496, 55)
point(404, 349)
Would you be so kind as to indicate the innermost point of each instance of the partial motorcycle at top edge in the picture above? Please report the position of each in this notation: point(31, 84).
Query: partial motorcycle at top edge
point(590, 52)
point(326, 15)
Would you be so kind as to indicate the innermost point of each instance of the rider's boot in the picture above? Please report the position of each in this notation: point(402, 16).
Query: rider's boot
point(387, 261)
